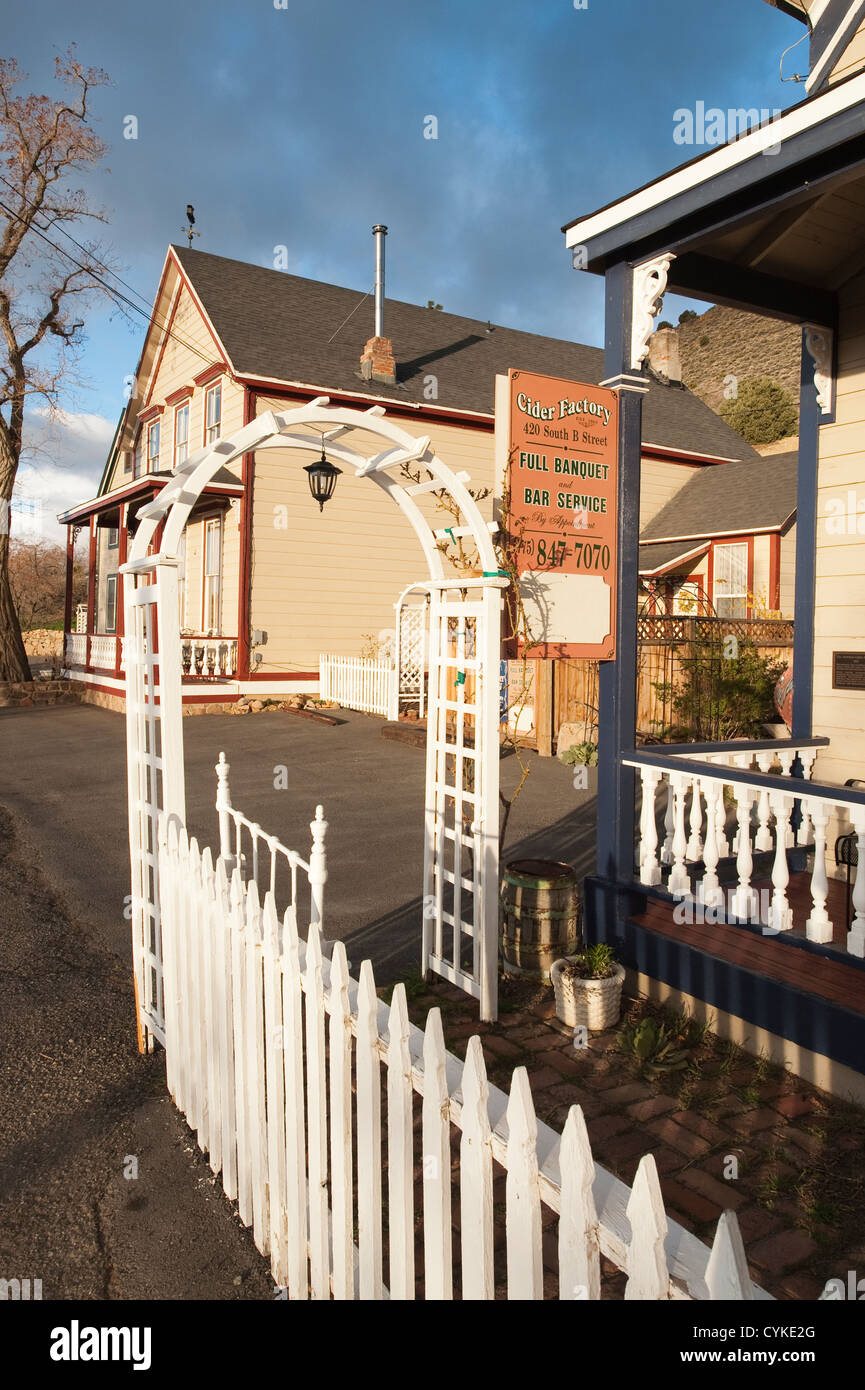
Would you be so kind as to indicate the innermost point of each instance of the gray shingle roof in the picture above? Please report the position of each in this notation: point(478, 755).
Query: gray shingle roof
point(655, 557)
point(729, 498)
point(281, 326)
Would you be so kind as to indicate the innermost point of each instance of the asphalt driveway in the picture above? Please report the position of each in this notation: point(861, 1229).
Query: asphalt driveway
point(64, 781)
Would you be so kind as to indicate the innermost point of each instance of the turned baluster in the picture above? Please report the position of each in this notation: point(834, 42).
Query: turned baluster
point(742, 760)
point(721, 824)
point(694, 851)
point(805, 836)
point(650, 869)
point(763, 838)
point(856, 934)
point(745, 904)
point(780, 912)
point(819, 924)
point(679, 882)
point(785, 758)
point(710, 892)
point(669, 825)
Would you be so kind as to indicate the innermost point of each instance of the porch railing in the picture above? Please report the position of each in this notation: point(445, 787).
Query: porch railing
point(201, 656)
point(694, 836)
point(76, 649)
point(208, 656)
point(103, 651)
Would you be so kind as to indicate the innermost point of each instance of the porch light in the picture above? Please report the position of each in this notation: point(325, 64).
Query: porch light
point(322, 479)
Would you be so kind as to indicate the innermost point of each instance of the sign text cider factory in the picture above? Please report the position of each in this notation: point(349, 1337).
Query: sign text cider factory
point(562, 452)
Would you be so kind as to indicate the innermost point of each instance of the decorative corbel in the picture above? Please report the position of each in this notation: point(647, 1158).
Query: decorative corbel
point(819, 343)
point(649, 281)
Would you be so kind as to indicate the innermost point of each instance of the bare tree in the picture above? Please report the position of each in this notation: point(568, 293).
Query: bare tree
point(44, 143)
point(37, 577)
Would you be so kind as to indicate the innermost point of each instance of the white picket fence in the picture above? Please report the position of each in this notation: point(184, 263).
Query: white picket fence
point(356, 682)
point(263, 1039)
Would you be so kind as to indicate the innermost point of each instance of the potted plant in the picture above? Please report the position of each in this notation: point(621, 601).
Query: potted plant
point(588, 987)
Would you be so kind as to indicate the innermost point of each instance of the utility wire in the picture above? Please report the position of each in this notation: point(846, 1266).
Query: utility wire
point(113, 293)
point(348, 316)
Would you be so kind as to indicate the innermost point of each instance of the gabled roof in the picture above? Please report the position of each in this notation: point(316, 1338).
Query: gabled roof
point(283, 328)
point(731, 499)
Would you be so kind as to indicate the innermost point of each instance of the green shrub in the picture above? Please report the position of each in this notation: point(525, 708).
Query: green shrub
point(716, 697)
point(762, 411)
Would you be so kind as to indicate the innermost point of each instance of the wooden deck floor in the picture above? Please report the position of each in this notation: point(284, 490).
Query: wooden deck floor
point(775, 957)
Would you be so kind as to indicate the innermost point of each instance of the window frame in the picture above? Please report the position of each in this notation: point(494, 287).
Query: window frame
point(734, 542)
point(111, 602)
point(208, 392)
point(213, 520)
point(150, 456)
point(178, 411)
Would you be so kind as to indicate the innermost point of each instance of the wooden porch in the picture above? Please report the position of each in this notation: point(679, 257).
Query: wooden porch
point(825, 971)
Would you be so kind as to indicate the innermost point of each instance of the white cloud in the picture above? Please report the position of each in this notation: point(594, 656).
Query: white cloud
point(62, 463)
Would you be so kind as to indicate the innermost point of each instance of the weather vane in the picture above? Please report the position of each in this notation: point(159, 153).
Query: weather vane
point(190, 218)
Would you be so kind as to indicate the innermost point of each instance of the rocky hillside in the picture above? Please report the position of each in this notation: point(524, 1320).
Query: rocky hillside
point(724, 342)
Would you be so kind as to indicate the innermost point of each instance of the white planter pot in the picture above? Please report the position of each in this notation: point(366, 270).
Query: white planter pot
point(594, 1004)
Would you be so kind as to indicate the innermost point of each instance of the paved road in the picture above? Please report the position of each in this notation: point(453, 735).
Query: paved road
point(77, 1103)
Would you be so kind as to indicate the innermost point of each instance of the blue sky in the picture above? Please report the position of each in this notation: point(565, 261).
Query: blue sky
point(302, 126)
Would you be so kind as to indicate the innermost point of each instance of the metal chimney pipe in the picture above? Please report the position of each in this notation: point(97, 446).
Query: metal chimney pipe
point(379, 232)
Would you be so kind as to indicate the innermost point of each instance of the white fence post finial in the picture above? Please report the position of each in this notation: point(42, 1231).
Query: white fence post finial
point(223, 807)
point(317, 867)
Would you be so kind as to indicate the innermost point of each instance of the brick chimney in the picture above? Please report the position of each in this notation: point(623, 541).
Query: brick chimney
point(377, 360)
point(664, 356)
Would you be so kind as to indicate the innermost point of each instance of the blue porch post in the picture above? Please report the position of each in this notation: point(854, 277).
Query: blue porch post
point(806, 549)
point(617, 685)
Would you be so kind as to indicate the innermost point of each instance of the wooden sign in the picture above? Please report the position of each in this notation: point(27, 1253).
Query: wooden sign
point(562, 519)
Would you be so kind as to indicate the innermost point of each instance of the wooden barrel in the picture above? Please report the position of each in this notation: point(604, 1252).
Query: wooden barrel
point(542, 919)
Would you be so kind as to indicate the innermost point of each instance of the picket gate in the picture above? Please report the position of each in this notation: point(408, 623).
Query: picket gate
point(263, 1036)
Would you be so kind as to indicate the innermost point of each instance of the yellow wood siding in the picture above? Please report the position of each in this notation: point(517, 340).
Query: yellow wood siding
point(188, 352)
point(853, 57)
point(840, 591)
point(788, 573)
point(659, 481)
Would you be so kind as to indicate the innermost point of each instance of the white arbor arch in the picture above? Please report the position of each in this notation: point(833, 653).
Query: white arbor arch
point(460, 883)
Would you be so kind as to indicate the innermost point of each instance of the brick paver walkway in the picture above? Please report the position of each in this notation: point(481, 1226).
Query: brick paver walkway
point(799, 1174)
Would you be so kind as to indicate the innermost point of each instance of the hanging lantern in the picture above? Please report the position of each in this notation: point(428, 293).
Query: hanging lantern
point(322, 479)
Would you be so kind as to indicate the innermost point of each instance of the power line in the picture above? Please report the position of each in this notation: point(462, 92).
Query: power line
point(148, 315)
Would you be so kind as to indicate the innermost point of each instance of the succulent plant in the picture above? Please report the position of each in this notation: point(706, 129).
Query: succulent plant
point(654, 1047)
